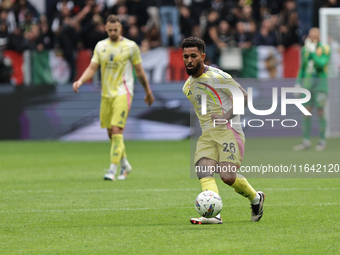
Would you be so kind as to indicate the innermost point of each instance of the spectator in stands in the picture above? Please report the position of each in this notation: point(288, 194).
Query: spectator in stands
point(97, 32)
point(266, 35)
point(69, 4)
point(276, 27)
point(331, 3)
point(84, 18)
point(288, 7)
point(122, 13)
point(217, 5)
point(275, 6)
point(29, 21)
point(45, 39)
point(247, 13)
point(169, 15)
point(134, 34)
point(66, 35)
point(210, 37)
point(32, 36)
point(144, 46)
point(7, 14)
point(197, 7)
point(65, 11)
point(229, 12)
point(225, 34)
point(17, 41)
point(153, 15)
point(3, 29)
point(186, 22)
point(20, 10)
point(244, 37)
point(153, 38)
point(291, 32)
point(132, 21)
point(138, 8)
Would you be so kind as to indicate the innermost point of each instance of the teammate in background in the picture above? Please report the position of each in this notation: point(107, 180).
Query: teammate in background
point(313, 76)
point(222, 145)
point(116, 55)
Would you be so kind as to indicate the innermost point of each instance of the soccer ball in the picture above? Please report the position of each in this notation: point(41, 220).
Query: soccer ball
point(208, 204)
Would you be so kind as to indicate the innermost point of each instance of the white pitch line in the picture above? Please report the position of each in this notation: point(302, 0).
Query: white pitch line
point(99, 190)
point(148, 208)
point(149, 190)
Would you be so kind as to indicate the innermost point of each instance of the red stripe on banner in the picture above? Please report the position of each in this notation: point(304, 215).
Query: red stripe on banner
point(176, 66)
point(17, 64)
point(291, 62)
point(82, 61)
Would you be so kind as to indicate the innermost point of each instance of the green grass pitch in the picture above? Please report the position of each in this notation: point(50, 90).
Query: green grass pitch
point(53, 200)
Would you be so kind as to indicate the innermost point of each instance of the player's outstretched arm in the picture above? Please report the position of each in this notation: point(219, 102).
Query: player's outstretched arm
point(88, 74)
point(144, 81)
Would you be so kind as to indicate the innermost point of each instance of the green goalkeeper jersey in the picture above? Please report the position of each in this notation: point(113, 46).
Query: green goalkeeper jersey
point(313, 69)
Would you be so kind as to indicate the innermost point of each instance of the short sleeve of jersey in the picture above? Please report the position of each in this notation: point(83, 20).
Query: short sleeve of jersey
point(228, 80)
point(135, 54)
point(186, 89)
point(95, 58)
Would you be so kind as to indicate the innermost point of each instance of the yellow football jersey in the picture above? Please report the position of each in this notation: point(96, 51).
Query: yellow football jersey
point(116, 60)
point(219, 100)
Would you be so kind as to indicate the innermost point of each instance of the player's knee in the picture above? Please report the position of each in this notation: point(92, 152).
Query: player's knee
point(228, 180)
point(201, 174)
point(116, 130)
point(109, 133)
point(320, 112)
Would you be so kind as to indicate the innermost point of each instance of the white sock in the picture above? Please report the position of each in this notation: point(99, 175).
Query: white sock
point(306, 142)
point(124, 162)
point(256, 200)
point(322, 142)
point(113, 167)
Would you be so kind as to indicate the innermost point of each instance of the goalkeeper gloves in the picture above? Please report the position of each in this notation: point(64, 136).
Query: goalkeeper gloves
point(310, 45)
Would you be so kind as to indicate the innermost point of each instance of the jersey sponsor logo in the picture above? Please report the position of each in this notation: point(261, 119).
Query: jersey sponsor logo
point(111, 57)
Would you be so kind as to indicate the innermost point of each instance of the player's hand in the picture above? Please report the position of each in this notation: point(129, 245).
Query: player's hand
point(76, 86)
point(310, 45)
point(297, 86)
point(149, 98)
point(215, 116)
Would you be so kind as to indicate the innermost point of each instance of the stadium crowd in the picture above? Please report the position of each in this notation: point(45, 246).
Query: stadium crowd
point(79, 24)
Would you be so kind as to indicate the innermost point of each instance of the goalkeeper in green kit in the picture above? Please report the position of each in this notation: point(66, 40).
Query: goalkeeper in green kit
point(313, 76)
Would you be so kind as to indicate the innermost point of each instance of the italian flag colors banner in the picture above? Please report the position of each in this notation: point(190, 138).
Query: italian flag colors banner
point(269, 62)
point(160, 65)
point(49, 67)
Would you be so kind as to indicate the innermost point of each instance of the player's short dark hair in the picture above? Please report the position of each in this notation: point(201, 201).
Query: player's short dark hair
point(112, 19)
point(193, 42)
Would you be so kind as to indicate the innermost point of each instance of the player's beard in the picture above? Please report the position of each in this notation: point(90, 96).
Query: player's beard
point(194, 70)
point(114, 39)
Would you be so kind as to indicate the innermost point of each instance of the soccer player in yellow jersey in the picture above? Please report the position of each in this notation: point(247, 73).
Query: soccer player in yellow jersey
point(220, 146)
point(116, 56)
